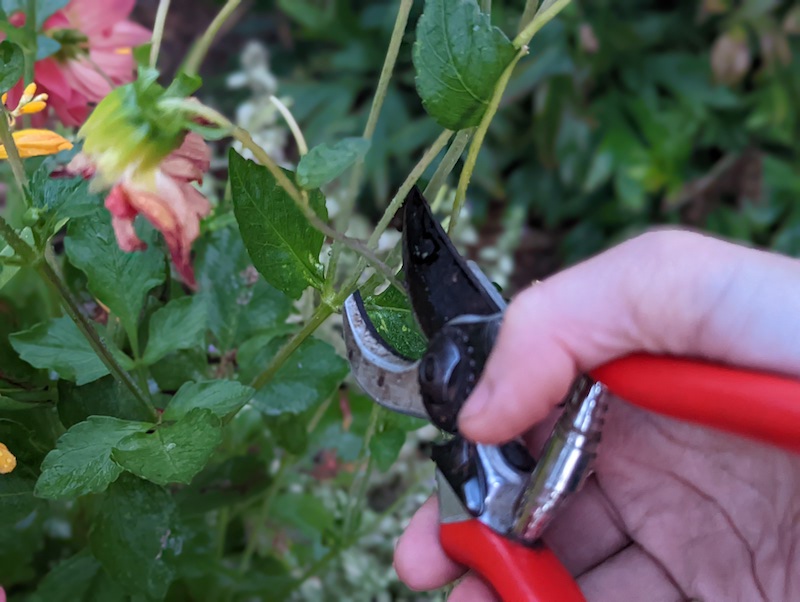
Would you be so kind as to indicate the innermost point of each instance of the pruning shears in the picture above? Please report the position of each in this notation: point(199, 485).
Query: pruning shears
point(495, 501)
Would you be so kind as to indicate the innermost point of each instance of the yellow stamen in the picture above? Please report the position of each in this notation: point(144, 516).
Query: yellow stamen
point(4, 97)
point(30, 91)
point(7, 460)
point(36, 143)
point(35, 106)
point(123, 50)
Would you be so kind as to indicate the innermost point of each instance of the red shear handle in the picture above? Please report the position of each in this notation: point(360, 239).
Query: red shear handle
point(517, 573)
point(745, 402)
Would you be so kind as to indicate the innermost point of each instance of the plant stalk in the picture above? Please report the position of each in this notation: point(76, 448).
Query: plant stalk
point(13, 156)
point(448, 162)
point(158, 31)
point(540, 19)
point(198, 54)
point(477, 141)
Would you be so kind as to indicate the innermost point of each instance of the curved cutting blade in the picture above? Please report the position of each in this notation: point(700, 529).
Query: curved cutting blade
point(440, 283)
point(391, 380)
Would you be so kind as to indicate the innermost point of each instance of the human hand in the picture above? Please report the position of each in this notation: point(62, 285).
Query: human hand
point(674, 511)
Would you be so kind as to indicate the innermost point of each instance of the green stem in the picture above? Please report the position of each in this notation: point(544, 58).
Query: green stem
point(321, 314)
point(405, 188)
point(389, 62)
point(13, 156)
point(540, 19)
point(198, 54)
point(158, 31)
point(19, 246)
point(527, 15)
point(299, 197)
point(87, 329)
point(486, 7)
point(448, 162)
point(358, 490)
point(263, 514)
point(297, 133)
point(477, 141)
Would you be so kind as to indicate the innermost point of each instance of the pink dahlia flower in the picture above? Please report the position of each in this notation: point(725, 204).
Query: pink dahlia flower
point(96, 39)
point(166, 197)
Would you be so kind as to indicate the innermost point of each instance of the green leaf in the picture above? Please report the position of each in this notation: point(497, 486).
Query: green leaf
point(103, 397)
point(385, 447)
point(240, 303)
point(63, 198)
point(326, 162)
point(171, 452)
point(284, 247)
point(305, 512)
point(458, 57)
point(221, 397)
point(80, 578)
point(16, 497)
point(12, 64)
point(393, 318)
point(7, 272)
point(132, 532)
point(58, 345)
point(309, 376)
point(118, 279)
point(180, 324)
point(81, 462)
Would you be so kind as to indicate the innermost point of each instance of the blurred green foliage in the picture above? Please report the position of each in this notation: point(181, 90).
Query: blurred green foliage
point(626, 114)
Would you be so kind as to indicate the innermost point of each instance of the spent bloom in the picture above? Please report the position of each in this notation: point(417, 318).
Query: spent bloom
point(95, 38)
point(32, 142)
point(145, 154)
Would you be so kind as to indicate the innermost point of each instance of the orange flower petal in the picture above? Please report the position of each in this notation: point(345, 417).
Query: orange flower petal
point(35, 143)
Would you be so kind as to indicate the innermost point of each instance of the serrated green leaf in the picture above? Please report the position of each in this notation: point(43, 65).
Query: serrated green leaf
point(309, 376)
point(62, 198)
point(131, 533)
point(326, 162)
point(81, 462)
point(393, 318)
point(180, 324)
point(118, 279)
point(12, 64)
point(458, 57)
point(240, 303)
point(385, 446)
point(103, 397)
point(221, 397)
point(171, 452)
point(58, 345)
point(80, 578)
point(284, 247)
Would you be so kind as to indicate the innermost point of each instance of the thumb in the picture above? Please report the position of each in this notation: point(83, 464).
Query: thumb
point(669, 292)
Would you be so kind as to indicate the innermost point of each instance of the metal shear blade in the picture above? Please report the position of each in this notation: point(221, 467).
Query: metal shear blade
point(390, 379)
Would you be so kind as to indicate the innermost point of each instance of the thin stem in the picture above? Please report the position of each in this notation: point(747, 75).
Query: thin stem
point(389, 62)
point(477, 141)
point(540, 19)
point(263, 514)
point(486, 6)
point(300, 198)
point(158, 31)
point(405, 188)
point(527, 15)
point(448, 162)
point(198, 54)
point(299, 139)
point(359, 486)
point(85, 326)
point(322, 313)
point(20, 247)
point(13, 155)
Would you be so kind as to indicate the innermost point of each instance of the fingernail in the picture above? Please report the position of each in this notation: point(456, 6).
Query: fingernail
point(476, 404)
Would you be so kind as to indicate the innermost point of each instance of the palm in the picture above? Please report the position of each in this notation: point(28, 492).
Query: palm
point(677, 512)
